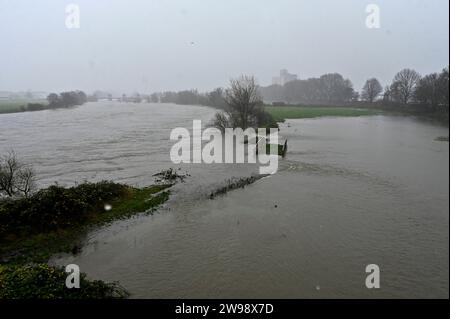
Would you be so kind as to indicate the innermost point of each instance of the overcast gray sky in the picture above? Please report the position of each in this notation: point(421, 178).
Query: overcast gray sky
point(145, 46)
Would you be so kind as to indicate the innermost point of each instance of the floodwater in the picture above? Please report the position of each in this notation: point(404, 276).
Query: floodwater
point(350, 192)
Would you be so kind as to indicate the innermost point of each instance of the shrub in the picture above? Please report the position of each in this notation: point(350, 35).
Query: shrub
point(45, 282)
point(56, 207)
point(35, 107)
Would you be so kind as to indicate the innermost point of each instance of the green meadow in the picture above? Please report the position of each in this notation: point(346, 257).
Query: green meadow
point(19, 105)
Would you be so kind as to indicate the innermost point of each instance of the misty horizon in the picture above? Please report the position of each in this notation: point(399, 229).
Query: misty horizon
point(228, 157)
point(124, 47)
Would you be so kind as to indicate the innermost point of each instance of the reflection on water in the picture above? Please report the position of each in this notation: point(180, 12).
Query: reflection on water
point(351, 192)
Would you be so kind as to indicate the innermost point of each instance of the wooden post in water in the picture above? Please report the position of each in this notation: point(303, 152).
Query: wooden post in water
point(283, 154)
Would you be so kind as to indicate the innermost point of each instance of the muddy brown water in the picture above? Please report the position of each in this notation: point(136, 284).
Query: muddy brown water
point(350, 192)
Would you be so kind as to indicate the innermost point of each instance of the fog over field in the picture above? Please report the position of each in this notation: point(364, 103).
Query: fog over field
point(128, 46)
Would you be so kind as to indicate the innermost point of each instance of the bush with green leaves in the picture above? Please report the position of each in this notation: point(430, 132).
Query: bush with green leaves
point(56, 207)
point(42, 281)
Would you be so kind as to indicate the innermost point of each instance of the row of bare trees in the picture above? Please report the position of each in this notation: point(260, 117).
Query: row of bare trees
point(409, 87)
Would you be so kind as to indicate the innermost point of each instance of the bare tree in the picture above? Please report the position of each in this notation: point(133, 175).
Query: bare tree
point(427, 90)
point(387, 94)
point(404, 85)
point(443, 91)
point(371, 90)
point(243, 101)
point(332, 87)
point(16, 178)
point(221, 121)
point(154, 98)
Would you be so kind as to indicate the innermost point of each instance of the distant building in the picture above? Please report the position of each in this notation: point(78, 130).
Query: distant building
point(284, 77)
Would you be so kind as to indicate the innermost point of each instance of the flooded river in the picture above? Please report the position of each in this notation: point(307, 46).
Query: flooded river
point(350, 192)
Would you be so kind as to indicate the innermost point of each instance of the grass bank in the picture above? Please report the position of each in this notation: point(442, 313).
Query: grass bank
point(281, 113)
point(15, 106)
point(55, 220)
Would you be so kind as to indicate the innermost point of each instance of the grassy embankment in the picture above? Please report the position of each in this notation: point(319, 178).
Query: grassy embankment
point(55, 220)
point(441, 139)
point(21, 105)
point(281, 113)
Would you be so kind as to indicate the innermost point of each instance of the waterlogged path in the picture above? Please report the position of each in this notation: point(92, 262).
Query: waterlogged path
point(351, 192)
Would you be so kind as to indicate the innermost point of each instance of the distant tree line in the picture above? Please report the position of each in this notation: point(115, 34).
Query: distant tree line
point(215, 98)
point(138, 98)
point(329, 88)
point(430, 92)
point(66, 99)
point(408, 91)
point(241, 104)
